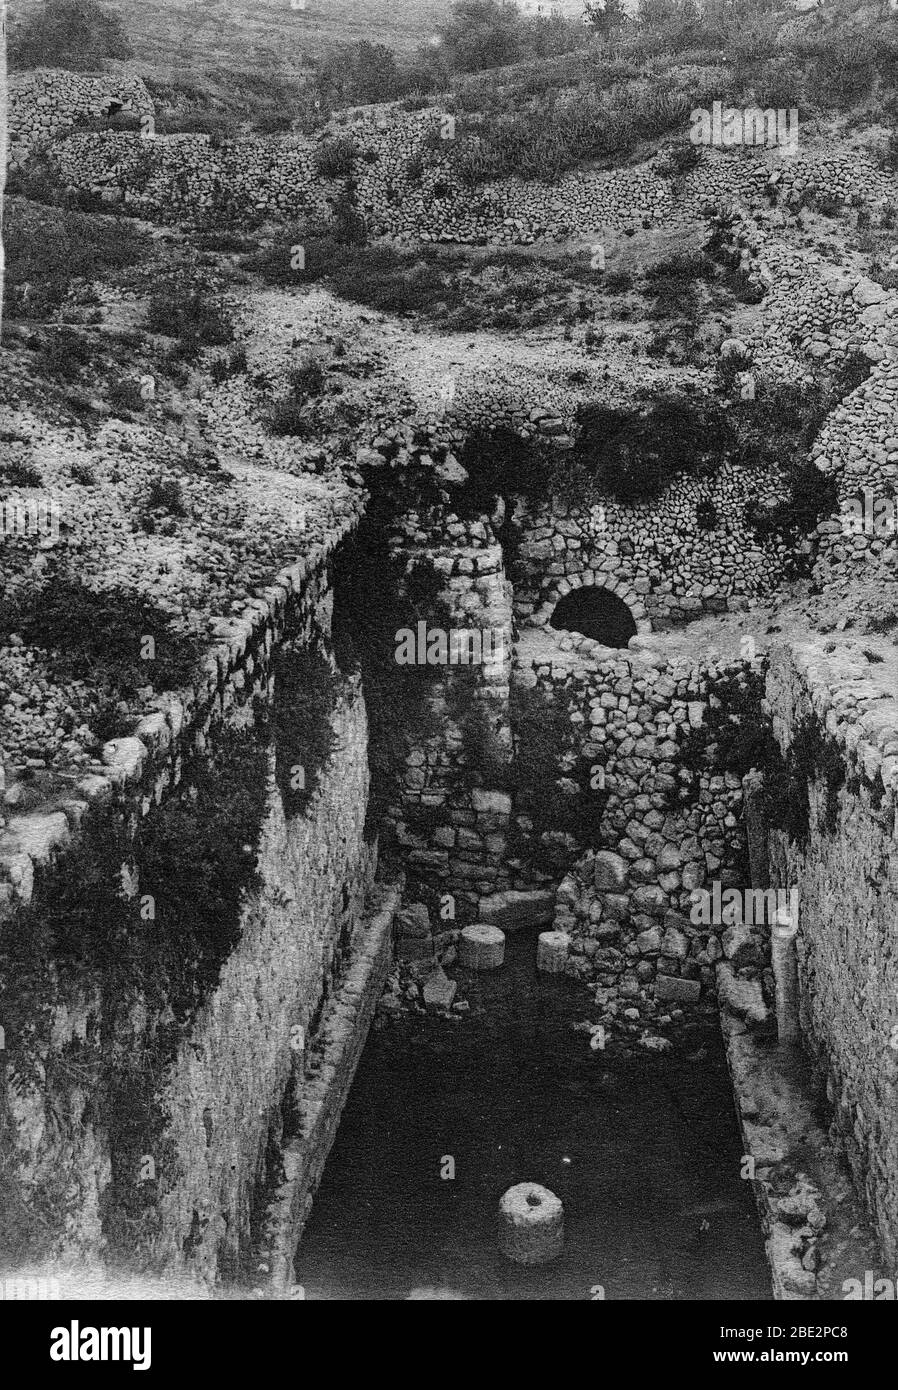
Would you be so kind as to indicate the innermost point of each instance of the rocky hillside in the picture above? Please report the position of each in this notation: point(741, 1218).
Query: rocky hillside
point(200, 34)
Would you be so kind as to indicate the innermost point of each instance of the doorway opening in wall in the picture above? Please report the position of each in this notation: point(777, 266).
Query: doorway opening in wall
point(596, 613)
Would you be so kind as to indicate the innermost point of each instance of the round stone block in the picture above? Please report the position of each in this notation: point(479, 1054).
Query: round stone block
point(481, 947)
point(552, 950)
point(531, 1224)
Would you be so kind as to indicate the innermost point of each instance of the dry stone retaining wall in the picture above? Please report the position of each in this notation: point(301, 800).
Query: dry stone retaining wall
point(408, 188)
point(627, 909)
point(653, 555)
point(45, 103)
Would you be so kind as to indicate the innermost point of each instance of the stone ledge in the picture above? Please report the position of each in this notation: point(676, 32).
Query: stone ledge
point(42, 835)
point(321, 1096)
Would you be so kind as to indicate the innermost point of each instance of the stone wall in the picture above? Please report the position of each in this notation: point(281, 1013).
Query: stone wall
point(181, 1179)
point(409, 188)
point(451, 824)
point(46, 103)
point(319, 1089)
point(627, 909)
point(847, 882)
point(656, 556)
point(225, 1089)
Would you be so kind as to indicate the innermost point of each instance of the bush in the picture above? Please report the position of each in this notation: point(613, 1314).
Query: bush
point(66, 354)
point(223, 368)
point(291, 418)
point(185, 312)
point(49, 248)
point(218, 125)
point(706, 515)
point(98, 637)
point(308, 378)
point(336, 156)
point(633, 455)
point(844, 71)
point(75, 34)
point(165, 494)
point(499, 462)
point(17, 474)
point(673, 283)
point(304, 697)
point(124, 394)
point(680, 158)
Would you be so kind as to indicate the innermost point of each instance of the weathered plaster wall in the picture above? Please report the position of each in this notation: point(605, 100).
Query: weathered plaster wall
point(847, 881)
point(186, 1190)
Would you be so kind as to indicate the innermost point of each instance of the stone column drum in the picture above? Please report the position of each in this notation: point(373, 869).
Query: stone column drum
point(531, 1224)
point(552, 950)
point(481, 947)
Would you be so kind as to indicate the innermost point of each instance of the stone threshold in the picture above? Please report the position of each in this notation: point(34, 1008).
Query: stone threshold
point(817, 1233)
point(320, 1089)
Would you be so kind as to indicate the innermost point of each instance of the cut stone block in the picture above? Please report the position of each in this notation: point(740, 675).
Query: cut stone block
point(679, 990)
point(439, 990)
point(514, 909)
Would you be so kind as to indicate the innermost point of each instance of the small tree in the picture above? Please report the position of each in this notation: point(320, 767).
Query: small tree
point(77, 34)
point(483, 34)
point(605, 17)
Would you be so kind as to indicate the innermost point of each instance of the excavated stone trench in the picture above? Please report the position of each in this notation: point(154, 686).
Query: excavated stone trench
point(446, 1114)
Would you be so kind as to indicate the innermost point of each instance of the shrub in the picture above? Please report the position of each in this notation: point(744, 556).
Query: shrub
point(77, 34)
point(706, 515)
point(165, 494)
point(673, 283)
point(632, 455)
point(223, 368)
point(224, 240)
point(66, 354)
point(98, 637)
point(888, 156)
point(308, 378)
point(304, 697)
point(499, 462)
point(124, 394)
point(680, 158)
point(779, 84)
point(218, 125)
point(49, 248)
point(290, 417)
point(336, 156)
point(180, 310)
point(18, 474)
point(844, 71)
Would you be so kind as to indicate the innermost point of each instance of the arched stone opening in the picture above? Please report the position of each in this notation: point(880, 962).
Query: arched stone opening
point(596, 613)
